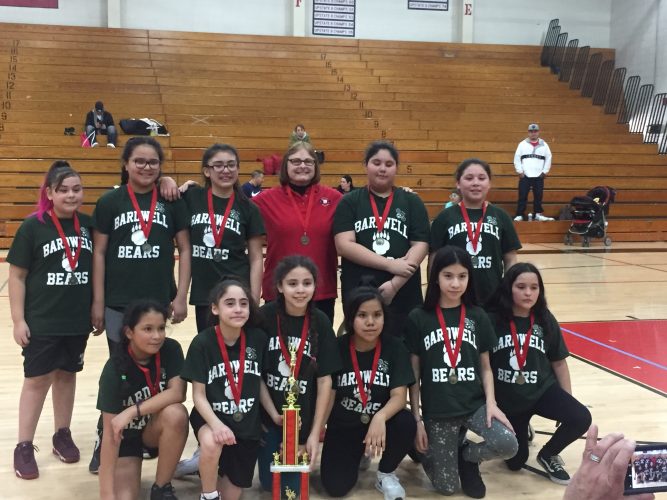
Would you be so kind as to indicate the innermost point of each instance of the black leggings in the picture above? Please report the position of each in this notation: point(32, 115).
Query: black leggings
point(555, 404)
point(343, 448)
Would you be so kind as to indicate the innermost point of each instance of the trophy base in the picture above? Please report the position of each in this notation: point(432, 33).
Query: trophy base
point(289, 468)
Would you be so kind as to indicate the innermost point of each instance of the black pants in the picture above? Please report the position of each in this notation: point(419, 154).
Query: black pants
point(343, 448)
point(525, 185)
point(327, 306)
point(555, 404)
point(204, 317)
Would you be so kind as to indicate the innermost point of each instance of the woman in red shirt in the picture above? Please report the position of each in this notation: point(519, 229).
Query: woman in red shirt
point(298, 217)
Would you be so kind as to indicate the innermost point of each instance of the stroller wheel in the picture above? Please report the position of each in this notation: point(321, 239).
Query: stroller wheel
point(607, 241)
point(568, 239)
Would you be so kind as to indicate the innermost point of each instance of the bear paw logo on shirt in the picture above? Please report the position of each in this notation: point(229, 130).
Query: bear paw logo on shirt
point(513, 362)
point(228, 389)
point(137, 237)
point(446, 357)
point(469, 247)
point(66, 265)
point(381, 242)
point(283, 367)
point(207, 238)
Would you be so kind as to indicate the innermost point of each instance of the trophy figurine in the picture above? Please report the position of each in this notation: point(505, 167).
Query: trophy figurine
point(289, 461)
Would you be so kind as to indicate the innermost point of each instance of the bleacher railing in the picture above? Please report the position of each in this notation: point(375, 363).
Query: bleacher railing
point(634, 104)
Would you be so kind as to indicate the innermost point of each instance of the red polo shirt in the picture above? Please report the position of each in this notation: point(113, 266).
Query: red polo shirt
point(284, 231)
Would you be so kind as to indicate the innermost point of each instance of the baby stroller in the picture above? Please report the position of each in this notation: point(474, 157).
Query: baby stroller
point(589, 215)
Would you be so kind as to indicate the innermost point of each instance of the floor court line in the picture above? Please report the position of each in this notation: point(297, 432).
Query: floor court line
point(616, 349)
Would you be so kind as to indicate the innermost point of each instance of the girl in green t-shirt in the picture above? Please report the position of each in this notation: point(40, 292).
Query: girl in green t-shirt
point(530, 368)
point(449, 338)
point(293, 321)
point(49, 297)
point(224, 365)
point(368, 414)
point(140, 397)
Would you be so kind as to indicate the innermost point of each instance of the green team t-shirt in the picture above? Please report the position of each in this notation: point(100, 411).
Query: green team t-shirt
point(132, 273)
point(244, 222)
point(276, 370)
point(53, 306)
point(407, 222)
point(394, 370)
point(515, 398)
point(115, 395)
point(498, 238)
point(424, 337)
point(204, 363)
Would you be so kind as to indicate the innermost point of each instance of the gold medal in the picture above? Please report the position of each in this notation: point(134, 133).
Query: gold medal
point(520, 379)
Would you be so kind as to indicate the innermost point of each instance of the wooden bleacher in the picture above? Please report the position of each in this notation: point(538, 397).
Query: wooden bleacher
point(438, 103)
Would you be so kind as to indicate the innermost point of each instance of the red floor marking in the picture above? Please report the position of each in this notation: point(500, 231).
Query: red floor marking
point(634, 349)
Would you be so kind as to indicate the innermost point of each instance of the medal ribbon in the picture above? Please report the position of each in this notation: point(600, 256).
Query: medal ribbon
point(72, 258)
point(152, 386)
point(300, 350)
point(363, 394)
point(379, 222)
point(145, 225)
point(309, 207)
point(453, 355)
point(521, 350)
point(217, 234)
point(236, 388)
point(474, 238)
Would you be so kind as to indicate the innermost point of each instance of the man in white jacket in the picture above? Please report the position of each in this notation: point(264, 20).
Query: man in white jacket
point(532, 162)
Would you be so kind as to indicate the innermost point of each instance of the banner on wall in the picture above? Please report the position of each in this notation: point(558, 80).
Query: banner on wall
point(428, 5)
point(42, 4)
point(334, 17)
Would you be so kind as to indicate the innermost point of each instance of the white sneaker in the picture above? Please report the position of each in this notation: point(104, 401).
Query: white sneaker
point(542, 218)
point(93, 145)
point(188, 466)
point(518, 218)
point(111, 146)
point(389, 485)
point(365, 462)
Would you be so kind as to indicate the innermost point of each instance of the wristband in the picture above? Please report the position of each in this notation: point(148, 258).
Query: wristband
point(138, 405)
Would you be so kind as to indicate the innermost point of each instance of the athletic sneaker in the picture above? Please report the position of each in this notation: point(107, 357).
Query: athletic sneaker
point(365, 462)
point(216, 497)
point(165, 492)
point(111, 146)
point(518, 218)
point(554, 467)
point(64, 448)
point(188, 466)
point(25, 465)
point(471, 480)
point(94, 145)
point(389, 485)
point(94, 464)
point(542, 218)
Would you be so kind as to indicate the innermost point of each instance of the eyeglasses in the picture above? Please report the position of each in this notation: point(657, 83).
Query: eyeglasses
point(143, 163)
point(219, 166)
point(309, 162)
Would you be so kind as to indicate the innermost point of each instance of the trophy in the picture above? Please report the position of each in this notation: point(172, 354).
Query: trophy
point(291, 460)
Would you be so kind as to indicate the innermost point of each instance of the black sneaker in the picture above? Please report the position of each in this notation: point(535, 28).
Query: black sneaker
point(94, 465)
point(471, 480)
point(531, 433)
point(554, 467)
point(165, 492)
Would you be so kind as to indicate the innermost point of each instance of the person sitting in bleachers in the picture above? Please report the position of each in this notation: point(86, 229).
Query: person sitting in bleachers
point(99, 121)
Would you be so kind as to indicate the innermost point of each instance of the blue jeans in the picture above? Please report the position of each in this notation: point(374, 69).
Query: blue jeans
point(270, 444)
point(110, 132)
